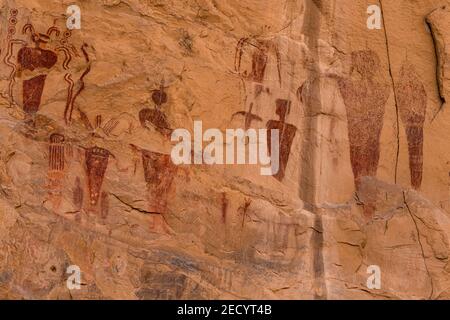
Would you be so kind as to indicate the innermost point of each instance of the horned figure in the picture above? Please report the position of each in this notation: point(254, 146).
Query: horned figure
point(365, 94)
point(412, 105)
point(56, 168)
point(155, 116)
point(96, 164)
point(35, 58)
point(286, 133)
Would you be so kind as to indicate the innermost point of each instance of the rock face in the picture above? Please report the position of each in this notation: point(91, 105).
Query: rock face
point(439, 22)
point(87, 180)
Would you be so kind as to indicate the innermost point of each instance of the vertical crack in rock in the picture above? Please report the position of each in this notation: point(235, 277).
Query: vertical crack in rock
point(434, 36)
point(393, 88)
point(420, 244)
point(318, 263)
point(311, 28)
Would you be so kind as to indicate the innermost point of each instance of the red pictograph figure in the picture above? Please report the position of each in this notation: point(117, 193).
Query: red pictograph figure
point(56, 166)
point(104, 205)
point(156, 117)
point(35, 58)
point(224, 201)
point(261, 52)
point(78, 195)
point(365, 94)
point(286, 134)
point(96, 165)
point(412, 105)
point(159, 172)
point(365, 98)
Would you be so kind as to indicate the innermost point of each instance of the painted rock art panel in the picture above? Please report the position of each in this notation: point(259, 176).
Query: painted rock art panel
point(344, 99)
point(257, 62)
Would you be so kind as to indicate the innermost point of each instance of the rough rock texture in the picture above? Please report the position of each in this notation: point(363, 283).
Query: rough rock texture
point(439, 22)
point(86, 177)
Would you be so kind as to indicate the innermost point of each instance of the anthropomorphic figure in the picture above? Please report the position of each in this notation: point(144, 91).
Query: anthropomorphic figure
point(156, 117)
point(365, 97)
point(286, 133)
point(365, 94)
point(412, 106)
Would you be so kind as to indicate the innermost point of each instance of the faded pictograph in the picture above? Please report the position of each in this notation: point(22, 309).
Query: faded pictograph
point(365, 98)
point(255, 79)
point(258, 64)
point(261, 50)
point(99, 128)
point(159, 174)
point(412, 105)
point(78, 197)
point(56, 169)
point(365, 93)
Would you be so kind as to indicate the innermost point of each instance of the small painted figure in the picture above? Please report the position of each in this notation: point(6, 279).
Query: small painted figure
point(286, 133)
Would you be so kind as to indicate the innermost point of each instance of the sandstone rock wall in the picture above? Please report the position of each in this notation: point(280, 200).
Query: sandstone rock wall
point(86, 177)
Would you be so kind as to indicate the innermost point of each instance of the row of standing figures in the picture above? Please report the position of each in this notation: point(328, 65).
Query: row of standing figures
point(365, 93)
point(33, 60)
point(365, 98)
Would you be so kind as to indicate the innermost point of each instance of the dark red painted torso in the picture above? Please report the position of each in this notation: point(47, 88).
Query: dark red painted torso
point(33, 58)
